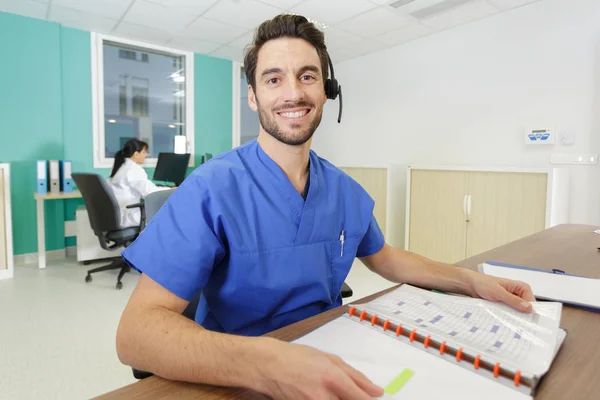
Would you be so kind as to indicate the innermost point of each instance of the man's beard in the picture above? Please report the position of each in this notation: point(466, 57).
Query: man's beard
point(294, 139)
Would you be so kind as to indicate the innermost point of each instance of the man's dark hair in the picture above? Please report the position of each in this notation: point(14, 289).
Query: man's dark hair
point(285, 25)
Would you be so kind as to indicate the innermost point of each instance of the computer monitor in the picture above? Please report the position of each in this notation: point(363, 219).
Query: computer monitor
point(171, 167)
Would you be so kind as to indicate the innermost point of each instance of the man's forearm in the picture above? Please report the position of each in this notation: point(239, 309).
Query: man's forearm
point(171, 346)
point(406, 267)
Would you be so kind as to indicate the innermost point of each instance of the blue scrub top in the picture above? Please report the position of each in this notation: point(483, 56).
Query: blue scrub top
point(262, 255)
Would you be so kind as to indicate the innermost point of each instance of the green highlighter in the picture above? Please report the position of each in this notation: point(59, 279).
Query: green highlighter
point(394, 386)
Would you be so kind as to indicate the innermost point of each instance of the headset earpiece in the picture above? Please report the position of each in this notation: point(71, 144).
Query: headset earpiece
point(333, 88)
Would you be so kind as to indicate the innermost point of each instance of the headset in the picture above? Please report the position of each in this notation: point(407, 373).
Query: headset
point(333, 89)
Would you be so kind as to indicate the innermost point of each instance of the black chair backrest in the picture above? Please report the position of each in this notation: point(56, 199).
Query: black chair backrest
point(100, 202)
point(154, 201)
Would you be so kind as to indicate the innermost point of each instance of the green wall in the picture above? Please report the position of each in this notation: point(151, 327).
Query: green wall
point(46, 113)
point(30, 119)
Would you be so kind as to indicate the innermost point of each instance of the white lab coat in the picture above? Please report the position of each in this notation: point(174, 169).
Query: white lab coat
point(130, 184)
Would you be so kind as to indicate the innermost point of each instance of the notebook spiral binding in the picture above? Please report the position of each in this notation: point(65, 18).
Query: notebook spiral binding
point(443, 347)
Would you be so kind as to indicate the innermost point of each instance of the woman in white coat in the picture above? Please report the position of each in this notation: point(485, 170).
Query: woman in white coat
point(129, 181)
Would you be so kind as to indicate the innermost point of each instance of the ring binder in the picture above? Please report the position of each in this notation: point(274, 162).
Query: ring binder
point(494, 343)
point(458, 353)
point(403, 369)
point(426, 342)
point(386, 325)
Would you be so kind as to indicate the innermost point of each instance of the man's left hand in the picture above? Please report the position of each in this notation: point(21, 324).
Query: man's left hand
point(516, 294)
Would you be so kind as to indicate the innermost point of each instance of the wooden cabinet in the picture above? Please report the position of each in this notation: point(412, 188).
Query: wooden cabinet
point(6, 247)
point(453, 214)
point(437, 229)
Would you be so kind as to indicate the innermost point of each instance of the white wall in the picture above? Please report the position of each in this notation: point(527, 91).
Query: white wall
point(465, 97)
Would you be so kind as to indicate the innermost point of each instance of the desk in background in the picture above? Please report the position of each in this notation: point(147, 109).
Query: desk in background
point(573, 375)
point(41, 230)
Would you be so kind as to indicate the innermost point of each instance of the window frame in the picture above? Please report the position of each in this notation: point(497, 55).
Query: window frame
point(236, 76)
point(97, 72)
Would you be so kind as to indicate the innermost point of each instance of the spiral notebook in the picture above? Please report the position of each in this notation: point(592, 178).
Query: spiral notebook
point(419, 344)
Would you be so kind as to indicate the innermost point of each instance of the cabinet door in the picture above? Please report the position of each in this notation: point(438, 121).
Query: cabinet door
point(3, 250)
point(437, 222)
point(374, 181)
point(505, 206)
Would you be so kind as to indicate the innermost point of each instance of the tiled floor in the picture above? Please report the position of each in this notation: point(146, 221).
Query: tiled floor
point(57, 333)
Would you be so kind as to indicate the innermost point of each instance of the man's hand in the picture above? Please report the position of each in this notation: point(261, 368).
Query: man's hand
point(514, 293)
point(301, 372)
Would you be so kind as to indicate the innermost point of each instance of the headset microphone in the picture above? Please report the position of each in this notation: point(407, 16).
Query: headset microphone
point(333, 89)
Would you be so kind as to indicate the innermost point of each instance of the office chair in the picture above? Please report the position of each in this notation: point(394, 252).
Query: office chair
point(105, 218)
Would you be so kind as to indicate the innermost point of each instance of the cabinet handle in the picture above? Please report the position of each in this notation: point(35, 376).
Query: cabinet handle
point(465, 205)
point(469, 206)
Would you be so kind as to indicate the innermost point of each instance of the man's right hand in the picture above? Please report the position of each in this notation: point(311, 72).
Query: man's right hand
point(301, 372)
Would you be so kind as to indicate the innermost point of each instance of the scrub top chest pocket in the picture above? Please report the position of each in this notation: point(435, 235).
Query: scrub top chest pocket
point(343, 252)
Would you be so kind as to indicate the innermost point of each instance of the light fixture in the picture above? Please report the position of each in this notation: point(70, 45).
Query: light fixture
point(176, 73)
point(179, 79)
point(112, 121)
point(180, 93)
point(171, 126)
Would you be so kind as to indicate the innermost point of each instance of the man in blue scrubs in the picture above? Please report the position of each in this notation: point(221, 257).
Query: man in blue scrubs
point(268, 233)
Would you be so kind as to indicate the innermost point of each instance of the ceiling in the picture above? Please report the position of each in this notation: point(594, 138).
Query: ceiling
point(222, 28)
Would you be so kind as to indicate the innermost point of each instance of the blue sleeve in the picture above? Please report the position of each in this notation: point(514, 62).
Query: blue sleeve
point(373, 240)
point(180, 246)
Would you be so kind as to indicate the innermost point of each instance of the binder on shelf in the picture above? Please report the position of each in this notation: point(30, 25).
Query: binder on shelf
point(66, 180)
point(42, 177)
point(498, 350)
point(54, 176)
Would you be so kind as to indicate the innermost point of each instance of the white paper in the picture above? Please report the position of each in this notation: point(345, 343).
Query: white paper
point(381, 358)
point(558, 287)
point(497, 332)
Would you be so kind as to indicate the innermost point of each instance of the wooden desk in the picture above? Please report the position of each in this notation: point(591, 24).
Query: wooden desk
point(41, 229)
point(573, 375)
